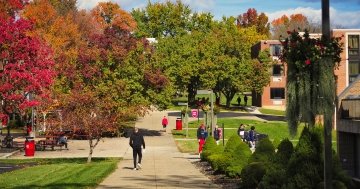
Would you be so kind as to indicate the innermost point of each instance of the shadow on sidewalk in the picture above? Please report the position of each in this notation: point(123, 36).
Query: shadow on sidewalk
point(147, 132)
point(170, 181)
point(236, 115)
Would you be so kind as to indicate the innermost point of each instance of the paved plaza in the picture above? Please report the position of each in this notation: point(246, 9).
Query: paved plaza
point(163, 166)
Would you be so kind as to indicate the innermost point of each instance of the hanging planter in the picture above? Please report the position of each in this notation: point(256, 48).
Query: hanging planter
point(310, 76)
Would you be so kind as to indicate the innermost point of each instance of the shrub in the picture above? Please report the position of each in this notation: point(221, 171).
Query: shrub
point(285, 150)
point(264, 151)
point(276, 143)
point(232, 143)
point(210, 148)
point(335, 184)
point(305, 167)
point(239, 160)
point(274, 178)
point(251, 175)
point(219, 162)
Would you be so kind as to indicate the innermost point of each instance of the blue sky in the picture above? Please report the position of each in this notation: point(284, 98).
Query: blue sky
point(343, 13)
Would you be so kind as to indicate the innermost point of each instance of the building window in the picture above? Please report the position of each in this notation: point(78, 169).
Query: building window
point(277, 93)
point(277, 70)
point(353, 45)
point(354, 58)
point(275, 50)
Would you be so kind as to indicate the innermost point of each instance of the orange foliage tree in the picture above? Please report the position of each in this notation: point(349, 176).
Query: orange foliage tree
point(298, 22)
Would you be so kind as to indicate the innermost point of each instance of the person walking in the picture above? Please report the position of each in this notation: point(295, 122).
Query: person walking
point(252, 137)
point(217, 134)
point(241, 132)
point(164, 122)
point(201, 136)
point(238, 100)
point(136, 141)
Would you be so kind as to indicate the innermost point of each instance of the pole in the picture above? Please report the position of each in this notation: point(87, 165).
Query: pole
point(328, 118)
point(212, 112)
point(223, 134)
point(198, 115)
point(187, 121)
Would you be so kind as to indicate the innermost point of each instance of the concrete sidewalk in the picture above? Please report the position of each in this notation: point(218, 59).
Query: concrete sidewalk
point(163, 166)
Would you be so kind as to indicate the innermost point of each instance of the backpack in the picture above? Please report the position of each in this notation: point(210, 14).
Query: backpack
point(246, 135)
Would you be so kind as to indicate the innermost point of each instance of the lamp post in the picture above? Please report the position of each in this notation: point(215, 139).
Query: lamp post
point(325, 23)
point(211, 106)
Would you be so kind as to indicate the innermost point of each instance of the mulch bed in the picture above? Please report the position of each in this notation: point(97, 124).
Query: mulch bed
point(217, 178)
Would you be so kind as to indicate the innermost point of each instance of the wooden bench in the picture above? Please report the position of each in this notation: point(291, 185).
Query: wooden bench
point(49, 142)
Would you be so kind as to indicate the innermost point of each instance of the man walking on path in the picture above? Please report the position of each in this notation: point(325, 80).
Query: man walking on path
point(136, 141)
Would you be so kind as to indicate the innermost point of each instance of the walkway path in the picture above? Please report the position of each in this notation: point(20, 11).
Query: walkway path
point(163, 166)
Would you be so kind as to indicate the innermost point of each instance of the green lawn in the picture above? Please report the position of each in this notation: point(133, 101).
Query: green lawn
point(58, 173)
point(276, 130)
point(175, 101)
point(272, 112)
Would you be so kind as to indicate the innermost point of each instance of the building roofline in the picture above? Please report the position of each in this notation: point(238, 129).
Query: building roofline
point(346, 29)
point(349, 87)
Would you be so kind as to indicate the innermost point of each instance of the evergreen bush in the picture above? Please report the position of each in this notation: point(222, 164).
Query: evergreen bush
point(251, 175)
point(239, 160)
point(210, 148)
point(274, 178)
point(232, 143)
point(219, 162)
point(305, 167)
point(284, 152)
point(276, 143)
point(264, 151)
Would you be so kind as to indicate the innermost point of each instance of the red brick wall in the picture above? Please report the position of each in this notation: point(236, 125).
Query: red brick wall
point(341, 71)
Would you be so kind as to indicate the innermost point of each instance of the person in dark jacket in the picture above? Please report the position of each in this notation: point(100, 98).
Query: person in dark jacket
point(136, 141)
point(217, 134)
point(201, 136)
point(252, 137)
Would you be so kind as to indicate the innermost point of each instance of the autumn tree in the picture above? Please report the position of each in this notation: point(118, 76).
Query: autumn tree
point(297, 22)
point(26, 67)
point(84, 111)
point(252, 18)
point(112, 72)
point(9, 8)
point(64, 7)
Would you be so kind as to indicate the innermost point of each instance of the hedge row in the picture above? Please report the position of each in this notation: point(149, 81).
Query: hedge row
point(276, 168)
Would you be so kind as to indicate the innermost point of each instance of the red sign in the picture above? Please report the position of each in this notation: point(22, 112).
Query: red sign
point(194, 113)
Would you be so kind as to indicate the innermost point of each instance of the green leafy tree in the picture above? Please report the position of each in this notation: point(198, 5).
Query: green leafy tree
point(233, 68)
point(163, 19)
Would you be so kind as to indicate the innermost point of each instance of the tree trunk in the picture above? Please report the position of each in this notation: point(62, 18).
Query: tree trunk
point(91, 150)
point(191, 93)
point(92, 146)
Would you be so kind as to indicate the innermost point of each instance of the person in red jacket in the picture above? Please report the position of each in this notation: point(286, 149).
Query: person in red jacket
point(164, 122)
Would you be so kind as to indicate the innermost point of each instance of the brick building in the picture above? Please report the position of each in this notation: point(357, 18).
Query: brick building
point(274, 94)
point(348, 128)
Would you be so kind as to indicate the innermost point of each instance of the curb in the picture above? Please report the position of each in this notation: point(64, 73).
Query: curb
point(9, 154)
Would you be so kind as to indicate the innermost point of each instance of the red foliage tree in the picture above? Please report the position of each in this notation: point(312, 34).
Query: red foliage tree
point(25, 67)
point(9, 8)
point(85, 113)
